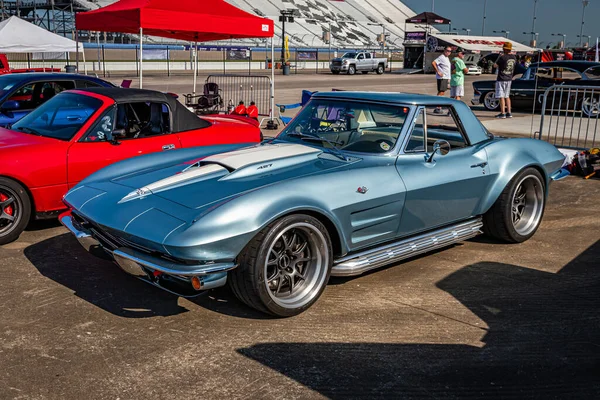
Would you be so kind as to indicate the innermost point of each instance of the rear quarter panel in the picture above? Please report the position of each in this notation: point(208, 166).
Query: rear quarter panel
point(507, 157)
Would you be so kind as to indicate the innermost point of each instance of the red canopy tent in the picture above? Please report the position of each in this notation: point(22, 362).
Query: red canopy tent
point(190, 20)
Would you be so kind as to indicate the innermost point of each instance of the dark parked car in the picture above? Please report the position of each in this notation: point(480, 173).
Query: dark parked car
point(524, 89)
point(22, 93)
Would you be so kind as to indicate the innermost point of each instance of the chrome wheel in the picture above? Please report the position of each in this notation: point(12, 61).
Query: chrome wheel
point(490, 101)
point(527, 205)
point(590, 107)
point(296, 266)
point(10, 210)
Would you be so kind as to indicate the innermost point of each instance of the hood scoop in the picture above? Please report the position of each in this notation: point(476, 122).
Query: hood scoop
point(230, 165)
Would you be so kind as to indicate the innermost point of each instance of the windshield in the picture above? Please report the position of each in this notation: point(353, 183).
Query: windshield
point(348, 126)
point(349, 55)
point(60, 117)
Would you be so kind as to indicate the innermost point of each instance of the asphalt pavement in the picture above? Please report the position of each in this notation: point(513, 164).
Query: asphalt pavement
point(477, 319)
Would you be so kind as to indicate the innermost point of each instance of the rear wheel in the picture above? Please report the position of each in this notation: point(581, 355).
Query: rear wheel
point(15, 210)
point(351, 70)
point(517, 213)
point(590, 106)
point(380, 69)
point(285, 267)
point(490, 101)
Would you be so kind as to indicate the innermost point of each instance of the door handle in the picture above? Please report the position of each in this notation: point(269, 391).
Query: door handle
point(168, 147)
point(481, 164)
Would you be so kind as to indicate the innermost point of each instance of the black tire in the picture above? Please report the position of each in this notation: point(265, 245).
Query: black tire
point(351, 70)
point(18, 204)
point(249, 280)
point(364, 72)
point(498, 221)
point(487, 104)
point(335, 72)
point(380, 69)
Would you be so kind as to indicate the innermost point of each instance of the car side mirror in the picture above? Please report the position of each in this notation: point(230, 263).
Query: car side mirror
point(115, 135)
point(440, 146)
point(11, 105)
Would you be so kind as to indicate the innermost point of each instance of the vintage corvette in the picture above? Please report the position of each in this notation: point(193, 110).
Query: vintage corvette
point(78, 132)
point(356, 181)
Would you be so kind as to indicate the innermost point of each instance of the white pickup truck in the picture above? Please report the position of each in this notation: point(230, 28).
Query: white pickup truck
point(352, 62)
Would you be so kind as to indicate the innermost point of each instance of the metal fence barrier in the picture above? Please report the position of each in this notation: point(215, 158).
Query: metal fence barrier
point(236, 88)
point(570, 115)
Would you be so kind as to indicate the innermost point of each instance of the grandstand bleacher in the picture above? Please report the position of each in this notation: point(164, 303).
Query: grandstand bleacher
point(354, 23)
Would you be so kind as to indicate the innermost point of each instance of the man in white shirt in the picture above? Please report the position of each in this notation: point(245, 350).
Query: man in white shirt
point(442, 70)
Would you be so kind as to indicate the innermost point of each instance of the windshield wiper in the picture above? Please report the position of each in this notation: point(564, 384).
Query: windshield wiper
point(314, 138)
point(28, 130)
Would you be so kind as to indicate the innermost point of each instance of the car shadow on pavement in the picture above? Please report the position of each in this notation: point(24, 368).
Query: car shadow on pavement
point(542, 342)
point(99, 282)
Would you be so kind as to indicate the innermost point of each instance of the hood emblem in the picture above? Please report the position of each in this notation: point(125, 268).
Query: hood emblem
point(362, 190)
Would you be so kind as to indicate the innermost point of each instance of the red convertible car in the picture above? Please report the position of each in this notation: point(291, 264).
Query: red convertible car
point(78, 132)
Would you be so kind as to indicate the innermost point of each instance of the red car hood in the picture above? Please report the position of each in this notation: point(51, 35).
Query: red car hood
point(9, 139)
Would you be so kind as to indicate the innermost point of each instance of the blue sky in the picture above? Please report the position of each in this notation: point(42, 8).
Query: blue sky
point(516, 16)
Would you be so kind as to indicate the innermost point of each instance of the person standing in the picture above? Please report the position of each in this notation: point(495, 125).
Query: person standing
point(505, 64)
point(459, 69)
point(441, 65)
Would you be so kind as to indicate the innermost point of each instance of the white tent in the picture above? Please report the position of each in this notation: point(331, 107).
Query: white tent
point(18, 36)
point(482, 43)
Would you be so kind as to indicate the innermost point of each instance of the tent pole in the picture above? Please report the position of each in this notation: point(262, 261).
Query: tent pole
point(76, 47)
point(272, 77)
point(195, 66)
point(141, 56)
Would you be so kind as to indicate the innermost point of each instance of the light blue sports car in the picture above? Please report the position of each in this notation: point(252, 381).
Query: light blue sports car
point(354, 182)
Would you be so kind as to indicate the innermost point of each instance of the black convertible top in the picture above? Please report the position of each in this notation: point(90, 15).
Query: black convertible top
point(183, 119)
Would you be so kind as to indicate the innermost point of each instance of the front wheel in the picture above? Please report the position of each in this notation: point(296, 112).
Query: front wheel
point(517, 213)
point(351, 70)
point(490, 102)
point(380, 69)
point(285, 267)
point(15, 210)
point(335, 72)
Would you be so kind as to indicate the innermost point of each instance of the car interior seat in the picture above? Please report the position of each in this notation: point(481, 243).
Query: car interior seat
point(48, 93)
point(154, 126)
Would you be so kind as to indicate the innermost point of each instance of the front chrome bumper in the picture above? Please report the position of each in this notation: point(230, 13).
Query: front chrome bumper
point(475, 100)
point(168, 275)
point(343, 67)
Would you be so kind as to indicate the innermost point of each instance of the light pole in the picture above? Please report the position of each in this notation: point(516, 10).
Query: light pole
point(286, 16)
point(584, 3)
point(463, 29)
point(535, 36)
point(383, 35)
point(534, 18)
point(483, 26)
point(506, 33)
point(589, 38)
point(432, 5)
point(564, 38)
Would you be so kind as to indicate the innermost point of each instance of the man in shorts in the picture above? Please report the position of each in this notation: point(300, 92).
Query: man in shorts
point(441, 65)
point(505, 64)
point(459, 69)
